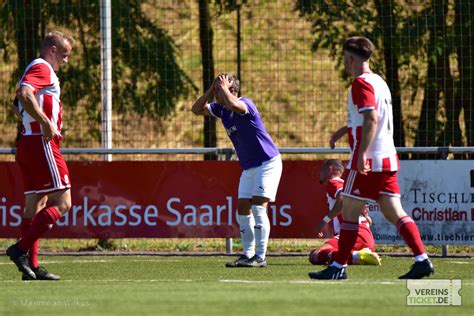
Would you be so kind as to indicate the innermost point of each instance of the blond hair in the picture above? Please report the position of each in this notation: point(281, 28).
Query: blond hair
point(56, 38)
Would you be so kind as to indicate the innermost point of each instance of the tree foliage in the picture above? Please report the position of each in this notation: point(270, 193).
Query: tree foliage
point(206, 37)
point(143, 54)
point(413, 55)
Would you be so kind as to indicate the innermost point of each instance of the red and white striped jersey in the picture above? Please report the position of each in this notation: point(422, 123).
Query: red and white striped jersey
point(41, 78)
point(370, 92)
point(333, 188)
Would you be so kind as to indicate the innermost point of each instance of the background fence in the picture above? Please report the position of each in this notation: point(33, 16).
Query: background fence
point(286, 53)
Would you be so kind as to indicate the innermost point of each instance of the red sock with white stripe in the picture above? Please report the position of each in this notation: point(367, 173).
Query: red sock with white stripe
point(33, 251)
point(347, 240)
point(409, 231)
point(42, 222)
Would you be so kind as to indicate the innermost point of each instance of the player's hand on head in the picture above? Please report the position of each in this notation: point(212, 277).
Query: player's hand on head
point(217, 80)
point(228, 81)
point(224, 81)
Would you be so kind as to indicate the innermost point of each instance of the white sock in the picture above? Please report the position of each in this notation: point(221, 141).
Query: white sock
point(355, 257)
point(421, 257)
point(262, 230)
point(247, 234)
point(338, 265)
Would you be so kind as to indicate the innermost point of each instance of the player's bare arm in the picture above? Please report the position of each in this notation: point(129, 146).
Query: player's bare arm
point(336, 210)
point(367, 218)
point(336, 136)
point(369, 129)
point(30, 105)
point(199, 107)
point(15, 108)
point(231, 102)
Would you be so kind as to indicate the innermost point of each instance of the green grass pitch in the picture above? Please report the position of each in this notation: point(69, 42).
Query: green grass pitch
point(160, 285)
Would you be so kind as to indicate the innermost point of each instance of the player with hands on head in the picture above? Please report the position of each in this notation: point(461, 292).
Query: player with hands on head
point(259, 158)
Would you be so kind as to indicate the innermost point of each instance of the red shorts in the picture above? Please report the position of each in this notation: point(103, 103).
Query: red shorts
point(365, 239)
point(370, 186)
point(42, 165)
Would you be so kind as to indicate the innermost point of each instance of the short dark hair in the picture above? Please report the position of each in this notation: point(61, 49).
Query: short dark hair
point(360, 46)
point(335, 163)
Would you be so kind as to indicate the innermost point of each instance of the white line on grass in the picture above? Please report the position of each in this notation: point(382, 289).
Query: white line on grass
point(326, 282)
point(339, 282)
point(249, 281)
point(309, 282)
point(155, 260)
point(97, 261)
point(77, 261)
point(60, 261)
point(111, 281)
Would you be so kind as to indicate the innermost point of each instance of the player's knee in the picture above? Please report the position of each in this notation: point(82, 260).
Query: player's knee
point(244, 207)
point(260, 200)
point(392, 217)
point(244, 211)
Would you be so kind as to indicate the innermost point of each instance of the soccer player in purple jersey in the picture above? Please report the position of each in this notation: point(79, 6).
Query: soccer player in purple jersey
point(258, 156)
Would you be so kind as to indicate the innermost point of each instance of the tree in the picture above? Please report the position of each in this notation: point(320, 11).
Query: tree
point(229, 6)
point(388, 22)
point(148, 88)
point(206, 37)
point(207, 59)
point(407, 34)
point(332, 22)
point(438, 82)
point(464, 37)
point(28, 31)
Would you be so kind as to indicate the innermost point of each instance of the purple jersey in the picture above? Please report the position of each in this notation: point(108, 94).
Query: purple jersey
point(246, 131)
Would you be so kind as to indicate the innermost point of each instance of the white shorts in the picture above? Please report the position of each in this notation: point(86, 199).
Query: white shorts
point(262, 180)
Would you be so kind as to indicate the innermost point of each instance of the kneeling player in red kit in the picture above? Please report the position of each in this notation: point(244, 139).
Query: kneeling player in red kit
point(363, 252)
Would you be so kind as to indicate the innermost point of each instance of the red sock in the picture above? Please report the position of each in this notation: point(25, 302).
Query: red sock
point(33, 251)
point(351, 258)
point(347, 240)
point(33, 255)
point(42, 222)
point(409, 231)
point(25, 226)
